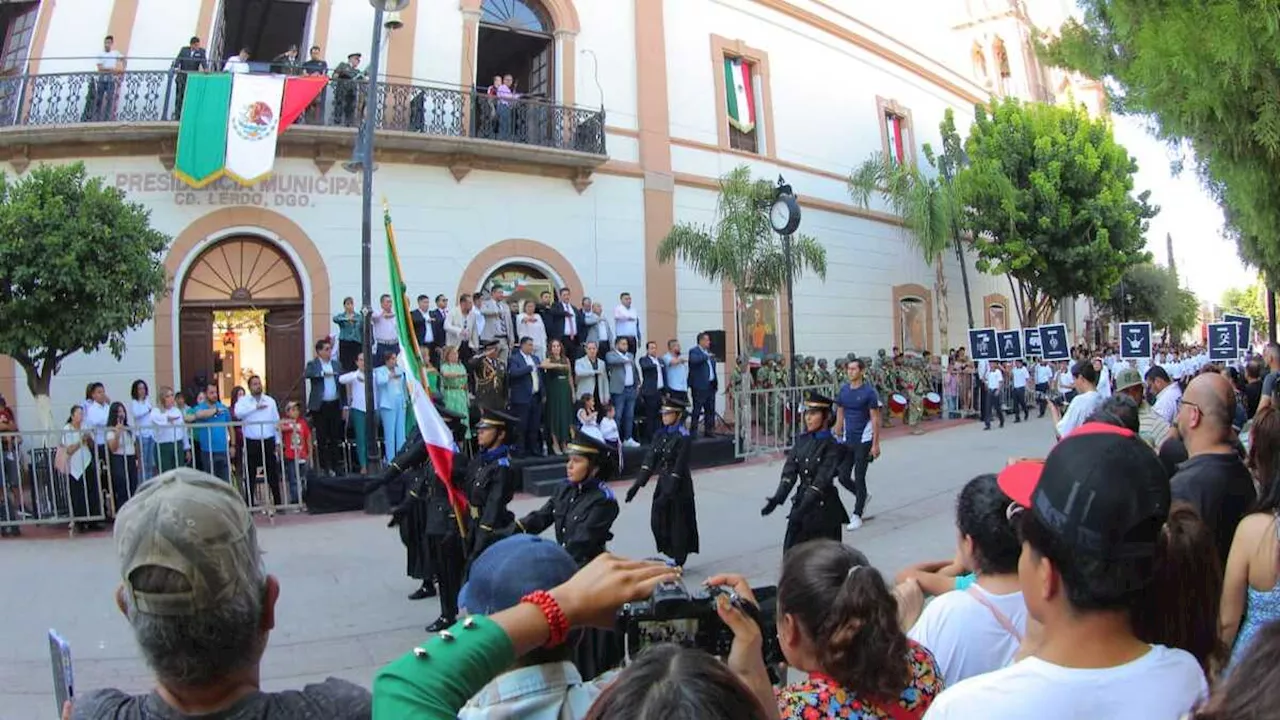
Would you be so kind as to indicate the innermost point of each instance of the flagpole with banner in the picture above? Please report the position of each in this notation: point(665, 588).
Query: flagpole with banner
point(435, 432)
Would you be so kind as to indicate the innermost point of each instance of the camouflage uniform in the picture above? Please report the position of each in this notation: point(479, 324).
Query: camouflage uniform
point(913, 387)
point(811, 375)
point(885, 381)
point(738, 386)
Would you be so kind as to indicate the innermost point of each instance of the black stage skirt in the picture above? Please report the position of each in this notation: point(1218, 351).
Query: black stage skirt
point(674, 521)
point(413, 533)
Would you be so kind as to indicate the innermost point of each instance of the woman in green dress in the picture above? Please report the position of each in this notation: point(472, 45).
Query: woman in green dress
point(454, 385)
point(559, 392)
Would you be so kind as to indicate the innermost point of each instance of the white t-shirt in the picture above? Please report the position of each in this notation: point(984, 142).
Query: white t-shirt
point(1164, 684)
point(995, 379)
point(1066, 382)
point(1020, 377)
point(1104, 383)
point(1044, 374)
point(1081, 407)
point(108, 60)
point(965, 637)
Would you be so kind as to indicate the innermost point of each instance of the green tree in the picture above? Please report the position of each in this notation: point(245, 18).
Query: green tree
point(1248, 301)
point(1150, 292)
point(741, 248)
point(81, 267)
point(1204, 72)
point(928, 208)
point(1047, 195)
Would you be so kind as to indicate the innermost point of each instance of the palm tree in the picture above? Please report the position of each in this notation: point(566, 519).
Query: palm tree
point(741, 248)
point(929, 210)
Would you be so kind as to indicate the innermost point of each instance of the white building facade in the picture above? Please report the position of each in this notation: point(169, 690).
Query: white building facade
point(623, 132)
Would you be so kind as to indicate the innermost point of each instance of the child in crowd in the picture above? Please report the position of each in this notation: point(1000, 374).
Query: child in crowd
point(295, 434)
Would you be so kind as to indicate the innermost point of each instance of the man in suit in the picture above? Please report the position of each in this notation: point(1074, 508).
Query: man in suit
point(497, 321)
point(423, 330)
point(624, 383)
point(567, 325)
point(325, 400)
point(652, 383)
point(703, 384)
point(524, 389)
point(460, 329)
point(438, 315)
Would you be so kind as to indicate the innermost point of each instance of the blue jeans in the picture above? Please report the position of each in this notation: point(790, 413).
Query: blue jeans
point(294, 472)
point(216, 463)
point(624, 411)
point(150, 458)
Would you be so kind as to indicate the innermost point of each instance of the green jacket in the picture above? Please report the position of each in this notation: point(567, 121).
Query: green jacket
point(437, 685)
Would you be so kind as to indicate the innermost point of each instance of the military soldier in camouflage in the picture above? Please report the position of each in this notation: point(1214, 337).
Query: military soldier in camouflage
point(811, 376)
point(823, 375)
point(885, 381)
point(913, 388)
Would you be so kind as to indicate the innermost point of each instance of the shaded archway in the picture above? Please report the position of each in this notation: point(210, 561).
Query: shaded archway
point(996, 312)
point(912, 318)
point(267, 226)
point(520, 252)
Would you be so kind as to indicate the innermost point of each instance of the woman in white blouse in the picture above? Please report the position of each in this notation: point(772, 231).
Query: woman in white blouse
point(354, 381)
point(122, 448)
point(144, 424)
point(170, 432)
point(529, 325)
point(82, 478)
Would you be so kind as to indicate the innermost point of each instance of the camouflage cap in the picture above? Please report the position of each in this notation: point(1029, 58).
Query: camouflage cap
point(195, 525)
point(1127, 378)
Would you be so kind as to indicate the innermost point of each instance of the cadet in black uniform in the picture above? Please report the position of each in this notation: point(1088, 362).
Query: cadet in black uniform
point(673, 517)
point(582, 512)
point(814, 460)
point(490, 484)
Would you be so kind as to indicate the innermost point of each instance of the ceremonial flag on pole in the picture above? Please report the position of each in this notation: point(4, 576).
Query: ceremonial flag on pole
point(739, 94)
point(435, 432)
point(230, 123)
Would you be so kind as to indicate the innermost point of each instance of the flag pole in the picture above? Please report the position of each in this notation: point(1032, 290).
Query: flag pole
point(417, 350)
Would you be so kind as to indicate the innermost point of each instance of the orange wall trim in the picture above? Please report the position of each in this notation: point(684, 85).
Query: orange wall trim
point(123, 15)
point(204, 22)
point(494, 255)
point(696, 145)
point(9, 380)
point(401, 41)
point(41, 35)
point(655, 161)
point(320, 29)
point(722, 47)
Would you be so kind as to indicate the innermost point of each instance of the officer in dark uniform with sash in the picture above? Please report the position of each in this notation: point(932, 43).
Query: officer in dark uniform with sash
point(491, 483)
point(673, 517)
point(812, 463)
point(582, 512)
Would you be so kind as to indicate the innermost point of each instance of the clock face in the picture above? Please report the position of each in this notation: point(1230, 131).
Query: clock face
point(780, 215)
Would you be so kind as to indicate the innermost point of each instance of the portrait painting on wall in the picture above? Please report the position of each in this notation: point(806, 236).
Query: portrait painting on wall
point(912, 325)
point(996, 317)
point(760, 325)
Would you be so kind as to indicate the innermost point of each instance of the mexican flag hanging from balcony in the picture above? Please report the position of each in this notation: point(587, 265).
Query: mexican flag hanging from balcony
point(230, 122)
point(740, 94)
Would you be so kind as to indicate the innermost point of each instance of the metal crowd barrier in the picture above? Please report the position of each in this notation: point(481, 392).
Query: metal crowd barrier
point(81, 478)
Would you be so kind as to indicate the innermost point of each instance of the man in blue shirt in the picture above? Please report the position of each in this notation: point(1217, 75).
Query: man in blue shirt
point(677, 367)
point(213, 437)
point(858, 428)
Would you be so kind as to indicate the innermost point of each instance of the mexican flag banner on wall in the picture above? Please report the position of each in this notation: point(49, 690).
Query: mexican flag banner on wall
point(230, 123)
point(740, 94)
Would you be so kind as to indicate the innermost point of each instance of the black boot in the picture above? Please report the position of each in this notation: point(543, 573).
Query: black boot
point(441, 623)
point(426, 591)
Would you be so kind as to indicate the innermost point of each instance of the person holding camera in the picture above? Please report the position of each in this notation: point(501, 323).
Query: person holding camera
point(582, 512)
point(814, 461)
point(674, 515)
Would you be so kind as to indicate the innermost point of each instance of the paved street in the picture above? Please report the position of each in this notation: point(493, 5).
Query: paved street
point(342, 608)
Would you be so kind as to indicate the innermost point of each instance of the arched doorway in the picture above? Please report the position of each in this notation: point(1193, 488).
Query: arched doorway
point(241, 314)
point(521, 281)
point(517, 39)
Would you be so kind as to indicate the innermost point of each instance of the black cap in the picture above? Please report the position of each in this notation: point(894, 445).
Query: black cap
point(817, 401)
point(486, 344)
point(1102, 492)
point(497, 419)
point(351, 55)
point(588, 445)
point(674, 404)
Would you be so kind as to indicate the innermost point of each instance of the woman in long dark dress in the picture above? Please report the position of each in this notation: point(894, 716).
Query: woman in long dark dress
point(674, 516)
point(582, 512)
point(559, 393)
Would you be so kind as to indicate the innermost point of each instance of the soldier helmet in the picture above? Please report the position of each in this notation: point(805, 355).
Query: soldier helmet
point(797, 358)
point(810, 360)
point(822, 362)
point(881, 352)
point(851, 356)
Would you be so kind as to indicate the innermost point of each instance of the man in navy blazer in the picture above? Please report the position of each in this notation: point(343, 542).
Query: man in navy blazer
point(524, 396)
point(703, 384)
point(325, 399)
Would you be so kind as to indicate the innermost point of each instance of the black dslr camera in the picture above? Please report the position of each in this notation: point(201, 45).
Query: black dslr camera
point(673, 614)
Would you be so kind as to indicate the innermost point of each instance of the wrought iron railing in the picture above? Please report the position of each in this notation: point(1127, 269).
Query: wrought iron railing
point(155, 96)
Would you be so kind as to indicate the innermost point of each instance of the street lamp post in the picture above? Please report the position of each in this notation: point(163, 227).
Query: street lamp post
point(784, 216)
point(362, 159)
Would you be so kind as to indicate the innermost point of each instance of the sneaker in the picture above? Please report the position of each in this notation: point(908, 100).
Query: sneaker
point(631, 444)
point(855, 522)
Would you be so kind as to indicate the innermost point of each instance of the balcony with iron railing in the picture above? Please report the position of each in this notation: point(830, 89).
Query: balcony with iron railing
point(458, 126)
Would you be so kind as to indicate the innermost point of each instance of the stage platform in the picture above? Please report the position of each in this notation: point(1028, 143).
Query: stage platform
point(541, 476)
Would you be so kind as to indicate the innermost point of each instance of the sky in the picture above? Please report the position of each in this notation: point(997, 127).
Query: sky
point(1208, 261)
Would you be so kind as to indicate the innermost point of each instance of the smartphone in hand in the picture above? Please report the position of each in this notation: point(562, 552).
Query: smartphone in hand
point(60, 657)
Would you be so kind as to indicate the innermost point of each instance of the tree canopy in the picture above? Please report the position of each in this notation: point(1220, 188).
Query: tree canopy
point(1205, 72)
point(1247, 301)
point(81, 267)
point(1048, 196)
point(1150, 292)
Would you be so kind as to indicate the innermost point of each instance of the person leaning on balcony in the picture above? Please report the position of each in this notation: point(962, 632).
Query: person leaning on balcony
point(347, 75)
point(110, 66)
point(191, 58)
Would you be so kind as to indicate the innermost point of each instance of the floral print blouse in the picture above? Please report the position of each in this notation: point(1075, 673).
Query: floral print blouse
point(821, 698)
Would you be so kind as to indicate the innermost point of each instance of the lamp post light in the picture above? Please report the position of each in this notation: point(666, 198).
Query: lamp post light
point(784, 216)
point(362, 160)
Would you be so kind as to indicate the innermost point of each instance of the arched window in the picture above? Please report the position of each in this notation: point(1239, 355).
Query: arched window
point(1002, 65)
point(516, 40)
point(912, 325)
point(515, 14)
point(521, 281)
point(980, 72)
point(996, 316)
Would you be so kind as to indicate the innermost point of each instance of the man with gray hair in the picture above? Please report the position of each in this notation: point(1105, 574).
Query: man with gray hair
point(201, 605)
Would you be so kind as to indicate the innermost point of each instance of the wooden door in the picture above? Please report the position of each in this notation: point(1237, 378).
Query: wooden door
point(285, 354)
point(195, 346)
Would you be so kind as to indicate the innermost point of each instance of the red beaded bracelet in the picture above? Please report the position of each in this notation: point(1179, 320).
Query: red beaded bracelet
point(556, 619)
